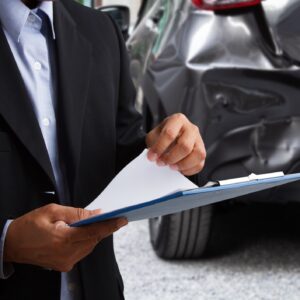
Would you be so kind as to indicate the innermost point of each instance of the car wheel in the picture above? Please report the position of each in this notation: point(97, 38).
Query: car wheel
point(181, 235)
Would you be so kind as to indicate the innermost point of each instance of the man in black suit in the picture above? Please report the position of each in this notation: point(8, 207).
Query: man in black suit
point(98, 132)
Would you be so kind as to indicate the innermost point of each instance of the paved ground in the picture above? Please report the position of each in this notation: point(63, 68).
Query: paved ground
point(258, 257)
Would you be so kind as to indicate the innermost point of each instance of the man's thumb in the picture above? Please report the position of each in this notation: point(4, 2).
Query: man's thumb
point(84, 213)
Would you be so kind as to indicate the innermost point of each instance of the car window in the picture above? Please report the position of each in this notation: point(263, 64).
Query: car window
point(134, 6)
point(146, 5)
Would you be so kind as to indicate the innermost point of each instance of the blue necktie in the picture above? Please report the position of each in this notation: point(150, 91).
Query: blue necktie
point(46, 31)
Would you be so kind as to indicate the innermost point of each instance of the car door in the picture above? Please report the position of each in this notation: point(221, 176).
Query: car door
point(141, 44)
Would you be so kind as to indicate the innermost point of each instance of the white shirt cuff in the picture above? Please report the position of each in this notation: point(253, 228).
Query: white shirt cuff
point(6, 269)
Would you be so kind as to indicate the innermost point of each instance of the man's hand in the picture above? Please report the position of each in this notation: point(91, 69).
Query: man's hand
point(177, 142)
point(43, 238)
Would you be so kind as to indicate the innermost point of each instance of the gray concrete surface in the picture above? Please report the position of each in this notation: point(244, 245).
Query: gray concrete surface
point(257, 256)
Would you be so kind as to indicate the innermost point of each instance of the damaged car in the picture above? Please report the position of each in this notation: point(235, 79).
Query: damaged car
point(232, 66)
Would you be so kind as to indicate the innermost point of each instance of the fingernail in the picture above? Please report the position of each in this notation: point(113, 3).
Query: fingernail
point(152, 156)
point(174, 167)
point(160, 163)
point(96, 211)
point(122, 222)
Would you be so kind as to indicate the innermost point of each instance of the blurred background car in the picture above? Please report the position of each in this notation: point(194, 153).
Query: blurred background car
point(232, 66)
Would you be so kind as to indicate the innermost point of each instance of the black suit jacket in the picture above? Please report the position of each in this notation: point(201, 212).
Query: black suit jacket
point(99, 132)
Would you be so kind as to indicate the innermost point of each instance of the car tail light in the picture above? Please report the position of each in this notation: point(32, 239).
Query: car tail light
point(224, 4)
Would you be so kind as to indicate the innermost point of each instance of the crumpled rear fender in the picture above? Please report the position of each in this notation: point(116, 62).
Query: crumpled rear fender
point(230, 76)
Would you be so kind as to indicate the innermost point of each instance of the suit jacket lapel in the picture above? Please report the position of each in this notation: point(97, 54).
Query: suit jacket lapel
point(74, 65)
point(16, 108)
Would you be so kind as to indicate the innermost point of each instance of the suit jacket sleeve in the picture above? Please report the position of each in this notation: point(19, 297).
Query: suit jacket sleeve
point(130, 133)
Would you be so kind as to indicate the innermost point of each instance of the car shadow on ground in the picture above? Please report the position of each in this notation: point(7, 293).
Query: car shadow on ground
point(258, 235)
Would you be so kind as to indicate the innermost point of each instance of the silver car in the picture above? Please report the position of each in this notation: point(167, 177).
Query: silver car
point(232, 66)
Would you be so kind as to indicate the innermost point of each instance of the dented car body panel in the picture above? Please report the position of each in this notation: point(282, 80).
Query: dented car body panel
point(233, 73)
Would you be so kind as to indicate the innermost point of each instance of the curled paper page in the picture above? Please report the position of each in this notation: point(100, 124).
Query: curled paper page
point(140, 181)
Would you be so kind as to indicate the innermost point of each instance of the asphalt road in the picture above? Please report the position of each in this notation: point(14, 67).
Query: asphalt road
point(257, 256)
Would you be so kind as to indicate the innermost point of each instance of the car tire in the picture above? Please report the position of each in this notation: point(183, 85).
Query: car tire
point(182, 235)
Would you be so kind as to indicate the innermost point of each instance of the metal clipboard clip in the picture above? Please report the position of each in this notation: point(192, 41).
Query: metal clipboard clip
point(251, 177)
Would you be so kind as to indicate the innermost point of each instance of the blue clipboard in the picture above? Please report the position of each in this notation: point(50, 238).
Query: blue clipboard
point(189, 199)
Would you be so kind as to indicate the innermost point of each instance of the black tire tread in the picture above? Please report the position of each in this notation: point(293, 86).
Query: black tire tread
point(183, 235)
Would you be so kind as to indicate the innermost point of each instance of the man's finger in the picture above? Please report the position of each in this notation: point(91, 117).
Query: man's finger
point(94, 232)
point(194, 170)
point(181, 149)
point(150, 141)
point(168, 135)
point(67, 214)
point(195, 160)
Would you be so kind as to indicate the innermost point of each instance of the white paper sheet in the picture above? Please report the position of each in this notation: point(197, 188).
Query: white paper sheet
point(140, 181)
